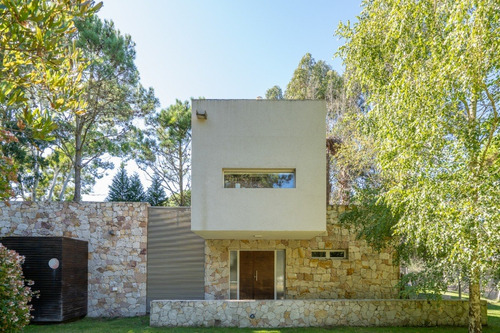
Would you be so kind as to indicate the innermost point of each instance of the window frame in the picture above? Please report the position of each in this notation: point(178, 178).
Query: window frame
point(250, 171)
point(328, 254)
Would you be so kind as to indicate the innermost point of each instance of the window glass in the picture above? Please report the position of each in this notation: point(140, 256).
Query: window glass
point(280, 274)
point(233, 274)
point(337, 254)
point(245, 178)
point(318, 254)
point(334, 254)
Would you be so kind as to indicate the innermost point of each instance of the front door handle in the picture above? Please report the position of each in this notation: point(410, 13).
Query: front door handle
point(256, 275)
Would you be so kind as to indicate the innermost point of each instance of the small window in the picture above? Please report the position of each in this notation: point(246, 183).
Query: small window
point(318, 254)
point(331, 254)
point(339, 254)
point(259, 178)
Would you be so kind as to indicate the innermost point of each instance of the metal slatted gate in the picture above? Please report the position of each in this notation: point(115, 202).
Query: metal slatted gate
point(176, 256)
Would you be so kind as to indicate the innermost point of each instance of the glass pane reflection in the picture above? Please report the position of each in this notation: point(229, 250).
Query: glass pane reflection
point(233, 274)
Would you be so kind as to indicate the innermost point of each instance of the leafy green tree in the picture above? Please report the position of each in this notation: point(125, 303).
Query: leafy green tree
point(59, 172)
point(310, 79)
point(8, 169)
point(114, 99)
point(120, 185)
point(35, 53)
point(155, 194)
point(135, 191)
point(274, 93)
point(430, 72)
point(166, 152)
point(317, 80)
point(26, 153)
point(173, 201)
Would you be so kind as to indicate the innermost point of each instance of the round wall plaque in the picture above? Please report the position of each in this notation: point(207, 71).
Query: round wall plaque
point(54, 263)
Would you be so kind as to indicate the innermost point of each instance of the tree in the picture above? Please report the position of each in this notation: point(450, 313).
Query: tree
point(317, 80)
point(310, 79)
point(173, 201)
point(155, 194)
point(430, 72)
point(274, 93)
point(135, 190)
point(114, 98)
point(166, 152)
point(120, 185)
point(126, 189)
point(34, 53)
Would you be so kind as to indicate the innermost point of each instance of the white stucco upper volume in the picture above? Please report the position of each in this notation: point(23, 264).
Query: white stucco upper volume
point(258, 134)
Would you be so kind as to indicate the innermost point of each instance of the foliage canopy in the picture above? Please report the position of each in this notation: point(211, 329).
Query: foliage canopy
point(430, 72)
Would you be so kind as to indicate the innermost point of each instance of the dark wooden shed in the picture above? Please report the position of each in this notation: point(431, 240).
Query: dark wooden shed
point(58, 266)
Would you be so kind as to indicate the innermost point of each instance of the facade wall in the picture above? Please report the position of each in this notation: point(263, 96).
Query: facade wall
point(305, 313)
point(258, 134)
point(364, 274)
point(117, 242)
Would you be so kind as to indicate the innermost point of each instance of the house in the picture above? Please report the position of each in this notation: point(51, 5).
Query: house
point(259, 201)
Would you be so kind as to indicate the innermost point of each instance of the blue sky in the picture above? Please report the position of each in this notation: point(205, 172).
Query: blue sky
point(224, 49)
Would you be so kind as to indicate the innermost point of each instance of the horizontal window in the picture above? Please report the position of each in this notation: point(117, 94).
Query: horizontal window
point(332, 254)
point(259, 178)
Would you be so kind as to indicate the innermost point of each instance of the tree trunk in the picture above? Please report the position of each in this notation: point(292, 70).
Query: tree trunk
point(65, 185)
point(36, 169)
point(78, 177)
point(53, 185)
point(344, 186)
point(475, 303)
point(78, 162)
point(459, 288)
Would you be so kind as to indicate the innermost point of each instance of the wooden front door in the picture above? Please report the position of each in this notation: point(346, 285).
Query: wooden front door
point(256, 274)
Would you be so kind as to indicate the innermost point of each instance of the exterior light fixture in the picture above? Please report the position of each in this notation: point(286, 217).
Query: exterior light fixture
point(201, 114)
point(257, 236)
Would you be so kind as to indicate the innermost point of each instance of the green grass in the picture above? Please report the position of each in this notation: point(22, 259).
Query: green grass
point(141, 325)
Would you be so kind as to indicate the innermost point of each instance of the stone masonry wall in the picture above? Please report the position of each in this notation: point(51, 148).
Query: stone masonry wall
point(117, 241)
point(364, 274)
point(305, 313)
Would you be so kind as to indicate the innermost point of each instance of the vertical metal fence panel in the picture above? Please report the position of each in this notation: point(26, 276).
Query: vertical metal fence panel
point(176, 256)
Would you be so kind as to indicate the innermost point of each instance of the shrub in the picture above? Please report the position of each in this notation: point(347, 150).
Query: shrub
point(14, 294)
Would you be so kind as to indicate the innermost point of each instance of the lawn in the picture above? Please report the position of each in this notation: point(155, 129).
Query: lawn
point(141, 325)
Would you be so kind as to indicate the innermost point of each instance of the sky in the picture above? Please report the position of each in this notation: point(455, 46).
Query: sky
point(222, 49)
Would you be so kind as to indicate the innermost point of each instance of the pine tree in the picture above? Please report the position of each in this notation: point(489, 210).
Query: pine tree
point(135, 191)
point(167, 151)
point(156, 194)
point(119, 188)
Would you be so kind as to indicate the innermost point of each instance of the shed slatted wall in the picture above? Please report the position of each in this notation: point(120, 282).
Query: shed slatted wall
point(63, 290)
point(175, 256)
point(75, 278)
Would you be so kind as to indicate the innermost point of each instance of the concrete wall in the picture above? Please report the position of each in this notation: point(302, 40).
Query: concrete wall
point(364, 274)
point(305, 313)
point(258, 134)
point(117, 241)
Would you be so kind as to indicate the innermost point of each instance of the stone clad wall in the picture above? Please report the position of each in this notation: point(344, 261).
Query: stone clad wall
point(305, 313)
point(117, 241)
point(364, 274)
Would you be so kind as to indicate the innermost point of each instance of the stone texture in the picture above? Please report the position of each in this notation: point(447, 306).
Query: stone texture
point(365, 274)
point(304, 313)
point(117, 240)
